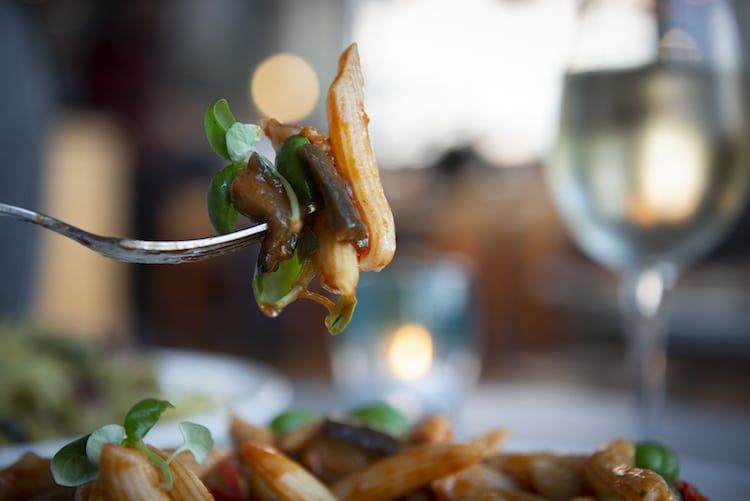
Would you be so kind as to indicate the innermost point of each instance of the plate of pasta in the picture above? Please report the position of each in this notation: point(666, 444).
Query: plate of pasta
point(368, 453)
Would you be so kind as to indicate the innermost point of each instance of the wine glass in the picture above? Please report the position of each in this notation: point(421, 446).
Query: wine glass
point(649, 170)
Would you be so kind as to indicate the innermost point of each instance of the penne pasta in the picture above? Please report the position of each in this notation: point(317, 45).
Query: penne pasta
point(432, 430)
point(213, 459)
point(128, 476)
point(93, 491)
point(295, 440)
point(507, 495)
point(470, 483)
point(241, 431)
point(187, 486)
point(491, 442)
point(274, 476)
point(29, 477)
point(406, 471)
point(558, 477)
point(335, 262)
point(610, 472)
point(355, 160)
point(521, 466)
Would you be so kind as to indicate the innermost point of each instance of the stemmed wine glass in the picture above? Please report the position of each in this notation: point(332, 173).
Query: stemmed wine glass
point(649, 171)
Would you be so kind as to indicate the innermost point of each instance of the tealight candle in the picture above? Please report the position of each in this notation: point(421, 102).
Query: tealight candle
point(412, 341)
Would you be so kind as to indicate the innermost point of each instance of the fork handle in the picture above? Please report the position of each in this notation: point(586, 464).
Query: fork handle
point(142, 251)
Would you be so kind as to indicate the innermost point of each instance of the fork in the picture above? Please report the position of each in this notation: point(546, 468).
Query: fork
point(142, 251)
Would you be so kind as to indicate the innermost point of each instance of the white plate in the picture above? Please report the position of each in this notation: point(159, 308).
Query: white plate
point(251, 390)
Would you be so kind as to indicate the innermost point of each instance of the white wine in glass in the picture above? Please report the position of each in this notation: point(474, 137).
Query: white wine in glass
point(650, 168)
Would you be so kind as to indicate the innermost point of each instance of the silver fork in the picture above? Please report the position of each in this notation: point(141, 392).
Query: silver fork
point(142, 251)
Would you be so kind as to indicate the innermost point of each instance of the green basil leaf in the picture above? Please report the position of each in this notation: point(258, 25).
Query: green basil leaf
point(143, 416)
point(107, 434)
point(241, 139)
point(221, 212)
point(71, 466)
point(338, 318)
point(217, 121)
point(198, 441)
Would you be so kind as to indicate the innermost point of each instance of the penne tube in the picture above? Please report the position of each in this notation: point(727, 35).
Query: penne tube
point(558, 477)
point(406, 471)
point(241, 432)
point(432, 430)
point(469, 483)
point(274, 476)
point(187, 486)
point(214, 457)
point(507, 495)
point(93, 491)
point(520, 466)
point(128, 476)
point(491, 442)
point(294, 441)
point(28, 478)
point(336, 262)
point(610, 472)
point(352, 149)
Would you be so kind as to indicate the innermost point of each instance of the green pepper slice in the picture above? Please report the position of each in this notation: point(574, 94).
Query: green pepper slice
point(341, 314)
point(290, 420)
point(274, 290)
point(381, 416)
point(221, 211)
point(658, 458)
point(295, 170)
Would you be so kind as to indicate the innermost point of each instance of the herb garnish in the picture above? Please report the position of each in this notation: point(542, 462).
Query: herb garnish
point(78, 462)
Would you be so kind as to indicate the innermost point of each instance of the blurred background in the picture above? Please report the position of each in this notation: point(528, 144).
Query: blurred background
point(101, 108)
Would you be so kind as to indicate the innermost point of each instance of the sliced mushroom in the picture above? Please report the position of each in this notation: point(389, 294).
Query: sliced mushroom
point(260, 195)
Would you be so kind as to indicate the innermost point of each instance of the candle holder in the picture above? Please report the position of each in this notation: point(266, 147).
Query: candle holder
point(413, 339)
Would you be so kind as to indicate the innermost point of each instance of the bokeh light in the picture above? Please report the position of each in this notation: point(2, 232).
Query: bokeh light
point(285, 87)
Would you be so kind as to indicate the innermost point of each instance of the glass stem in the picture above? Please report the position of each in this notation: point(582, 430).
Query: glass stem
point(644, 302)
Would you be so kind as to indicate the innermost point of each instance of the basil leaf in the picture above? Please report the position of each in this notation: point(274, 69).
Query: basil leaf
point(142, 417)
point(71, 466)
point(217, 121)
point(107, 434)
point(338, 318)
point(198, 441)
point(241, 139)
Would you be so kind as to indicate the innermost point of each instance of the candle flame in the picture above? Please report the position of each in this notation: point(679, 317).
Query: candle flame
point(410, 352)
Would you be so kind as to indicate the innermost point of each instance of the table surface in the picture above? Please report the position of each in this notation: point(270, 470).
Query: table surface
point(713, 444)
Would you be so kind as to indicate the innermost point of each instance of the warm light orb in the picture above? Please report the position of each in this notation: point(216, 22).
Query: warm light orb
point(285, 87)
point(672, 164)
point(409, 352)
